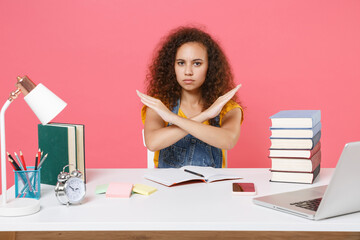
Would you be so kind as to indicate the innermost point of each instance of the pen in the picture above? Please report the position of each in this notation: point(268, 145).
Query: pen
point(197, 174)
point(23, 160)
point(42, 160)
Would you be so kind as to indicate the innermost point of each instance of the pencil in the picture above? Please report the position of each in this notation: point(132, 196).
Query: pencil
point(17, 168)
point(9, 155)
point(23, 167)
point(20, 164)
point(39, 156)
point(42, 160)
point(12, 164)
point(23, 160)
point(36, 161)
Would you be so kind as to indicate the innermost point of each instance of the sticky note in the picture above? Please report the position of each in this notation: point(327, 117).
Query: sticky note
point(119, 190)
point(144, 189)
point(100, 189)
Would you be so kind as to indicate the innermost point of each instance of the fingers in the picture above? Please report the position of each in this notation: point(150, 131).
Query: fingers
point(146, 102)
point(221, 101)
point(156, 105)
point(151, 102)
point(142, 95)
point(147, 97)
point(232, 92)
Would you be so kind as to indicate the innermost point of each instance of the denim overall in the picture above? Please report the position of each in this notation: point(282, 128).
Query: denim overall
point(190, 151)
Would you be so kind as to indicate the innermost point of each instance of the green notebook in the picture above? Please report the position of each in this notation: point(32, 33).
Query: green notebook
point(64, 144)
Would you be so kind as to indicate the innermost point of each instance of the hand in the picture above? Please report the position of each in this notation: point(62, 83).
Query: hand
point(216, 107)
point(157, 106)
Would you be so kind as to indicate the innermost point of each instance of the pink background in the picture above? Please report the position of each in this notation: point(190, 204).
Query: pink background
point(94, 54)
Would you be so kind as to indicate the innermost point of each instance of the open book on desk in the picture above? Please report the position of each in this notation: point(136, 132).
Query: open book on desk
point(172, 176)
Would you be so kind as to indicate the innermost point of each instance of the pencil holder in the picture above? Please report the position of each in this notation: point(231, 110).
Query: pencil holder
point(27, 183)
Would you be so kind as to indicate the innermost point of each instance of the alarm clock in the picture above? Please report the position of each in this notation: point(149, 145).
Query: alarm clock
point(70, 188)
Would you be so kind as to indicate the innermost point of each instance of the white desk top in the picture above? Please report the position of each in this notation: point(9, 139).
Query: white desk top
point(198, 206)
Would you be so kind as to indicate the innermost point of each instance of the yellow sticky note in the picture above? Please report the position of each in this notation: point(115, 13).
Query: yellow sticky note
point(143, 189)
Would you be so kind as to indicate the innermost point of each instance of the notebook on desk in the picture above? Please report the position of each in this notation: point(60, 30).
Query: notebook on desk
point(341, 196)
point(172, 176)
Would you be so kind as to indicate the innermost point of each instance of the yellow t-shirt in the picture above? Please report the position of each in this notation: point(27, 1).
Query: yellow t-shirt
point(228, 106)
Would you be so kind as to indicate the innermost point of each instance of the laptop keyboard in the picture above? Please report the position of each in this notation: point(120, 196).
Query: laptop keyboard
point(309, 204)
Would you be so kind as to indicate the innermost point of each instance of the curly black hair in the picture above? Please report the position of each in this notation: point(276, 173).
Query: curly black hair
point(161, 78)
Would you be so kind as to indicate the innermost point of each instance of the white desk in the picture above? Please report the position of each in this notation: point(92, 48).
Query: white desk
point(194, 207)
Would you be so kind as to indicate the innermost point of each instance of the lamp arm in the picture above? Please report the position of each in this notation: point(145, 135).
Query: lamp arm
point(3, 151)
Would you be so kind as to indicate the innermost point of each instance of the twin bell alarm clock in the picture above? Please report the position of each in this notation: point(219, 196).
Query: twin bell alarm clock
point(70, 188)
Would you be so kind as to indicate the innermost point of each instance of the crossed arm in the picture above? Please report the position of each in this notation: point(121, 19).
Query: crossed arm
point(157, 136)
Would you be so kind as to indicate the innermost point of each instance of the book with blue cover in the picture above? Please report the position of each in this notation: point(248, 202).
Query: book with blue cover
point(295, 143)
point(295, 132)
point(296, 119)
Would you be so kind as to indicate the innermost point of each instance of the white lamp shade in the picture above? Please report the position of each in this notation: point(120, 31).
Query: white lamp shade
point(44, 103)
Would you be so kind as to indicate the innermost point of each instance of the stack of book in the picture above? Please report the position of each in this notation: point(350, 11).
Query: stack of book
point(295, 146)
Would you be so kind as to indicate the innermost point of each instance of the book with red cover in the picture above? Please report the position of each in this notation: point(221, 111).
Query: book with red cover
point(294, 153)
point(296, 164)
point(295, 177)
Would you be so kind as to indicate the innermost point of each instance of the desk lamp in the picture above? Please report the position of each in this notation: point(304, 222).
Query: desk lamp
point(46, 105)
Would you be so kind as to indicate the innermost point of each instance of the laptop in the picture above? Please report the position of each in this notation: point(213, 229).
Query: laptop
point(341, 196)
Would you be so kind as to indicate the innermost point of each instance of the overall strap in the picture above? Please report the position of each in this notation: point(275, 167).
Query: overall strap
point(189, 151)
point(175, 109)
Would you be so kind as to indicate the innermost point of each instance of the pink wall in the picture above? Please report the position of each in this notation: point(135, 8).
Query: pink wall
point(94, 54)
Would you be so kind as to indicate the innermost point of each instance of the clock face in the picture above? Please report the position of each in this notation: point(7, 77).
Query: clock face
point(75, 189)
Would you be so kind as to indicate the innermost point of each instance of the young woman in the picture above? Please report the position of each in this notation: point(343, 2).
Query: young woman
point(190, 111)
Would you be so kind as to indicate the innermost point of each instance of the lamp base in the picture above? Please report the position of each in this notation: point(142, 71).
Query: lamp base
point(20, 207)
